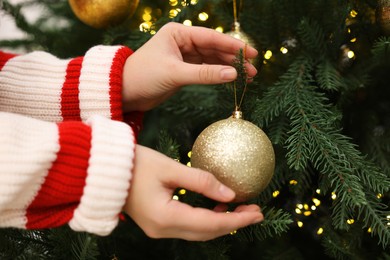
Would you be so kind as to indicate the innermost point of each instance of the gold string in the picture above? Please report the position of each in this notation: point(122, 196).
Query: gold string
point(238, 106)
point(235, 11)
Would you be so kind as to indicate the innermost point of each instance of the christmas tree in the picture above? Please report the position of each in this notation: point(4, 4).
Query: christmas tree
point(321, 96)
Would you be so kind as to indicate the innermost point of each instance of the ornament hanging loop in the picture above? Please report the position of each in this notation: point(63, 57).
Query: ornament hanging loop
point(237, 104)
point(235, 11)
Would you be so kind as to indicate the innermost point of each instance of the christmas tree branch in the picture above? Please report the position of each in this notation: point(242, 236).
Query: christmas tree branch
point(314, 138)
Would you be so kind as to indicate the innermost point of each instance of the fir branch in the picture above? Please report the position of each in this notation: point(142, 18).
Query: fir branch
point(22, 244)
point(314, 138)
point(276, 222)
point(331, 158)
point(194, 104)
point(328, 77)
point(278, 130)
point(68, 244)
point(85, 246)
point(239, 65)
point(340, 214)
point(379, 150)
point(271, 105)
point(342, 245)
point(334, 155)
point(168, 146)
point(122, 35)
point(381, 50)
point(374, 215)
point(324, 184)
point(277, 98)
point(312, 37)
point(299, 145)
point(372, 177)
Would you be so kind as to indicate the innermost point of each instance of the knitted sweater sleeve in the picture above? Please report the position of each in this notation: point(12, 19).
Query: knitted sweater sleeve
point(65, 155)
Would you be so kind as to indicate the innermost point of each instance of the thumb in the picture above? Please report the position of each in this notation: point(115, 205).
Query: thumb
point(203, 182)
point(205, 74)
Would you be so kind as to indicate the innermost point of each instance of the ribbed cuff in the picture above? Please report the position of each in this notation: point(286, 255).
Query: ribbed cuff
point(101, 82)
point(63, 186)
point(108, 180)
point(116, 82)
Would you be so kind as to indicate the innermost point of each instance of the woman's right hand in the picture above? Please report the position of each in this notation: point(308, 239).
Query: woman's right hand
point(151, 206)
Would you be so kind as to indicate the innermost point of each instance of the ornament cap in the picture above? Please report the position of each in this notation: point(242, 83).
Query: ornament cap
point(237, 114)
point(236, 26)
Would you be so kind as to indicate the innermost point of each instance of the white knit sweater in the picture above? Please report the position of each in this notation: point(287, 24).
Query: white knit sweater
point(65, 155)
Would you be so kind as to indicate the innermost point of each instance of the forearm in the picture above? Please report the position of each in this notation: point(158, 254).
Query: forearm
point(42, 86)
point(70, 172)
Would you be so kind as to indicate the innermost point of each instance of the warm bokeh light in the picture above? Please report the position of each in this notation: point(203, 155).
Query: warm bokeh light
point(174, 12)
point(219, 29)
point(203, 16)
point(187, 22)
point(316, 201)
point(353, 13)
point(268, 55)
point(283, 50)
point(173, 2)
point(350, 54)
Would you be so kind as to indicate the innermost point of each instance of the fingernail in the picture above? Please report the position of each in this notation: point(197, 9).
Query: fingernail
point(226, 192)
point(228, 74)
point(258, 219)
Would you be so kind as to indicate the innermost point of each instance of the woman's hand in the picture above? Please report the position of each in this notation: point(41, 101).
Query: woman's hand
point(150, 203)
point(179, 55)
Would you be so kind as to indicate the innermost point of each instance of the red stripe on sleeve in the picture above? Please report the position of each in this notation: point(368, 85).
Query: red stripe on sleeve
point(135, 120)
point(116, 74)
point(70, 103)
point(63, 187)
point(4, 57)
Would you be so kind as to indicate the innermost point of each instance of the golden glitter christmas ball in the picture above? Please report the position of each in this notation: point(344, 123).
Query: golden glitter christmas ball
point(102, 13)
point(238, 153)
point(383, 15)
point(237, 33)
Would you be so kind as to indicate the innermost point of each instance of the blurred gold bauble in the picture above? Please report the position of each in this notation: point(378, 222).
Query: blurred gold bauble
point(102, 13)
point(238, 153)
point(237, 33)
point(383, 15)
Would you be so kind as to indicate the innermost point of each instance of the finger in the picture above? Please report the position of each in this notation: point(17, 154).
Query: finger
point(251, 207)
point(199, 181)
point(203, 224)
point(201, 37)
point(204, 74)
point(221, 207)
point(208, 74)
